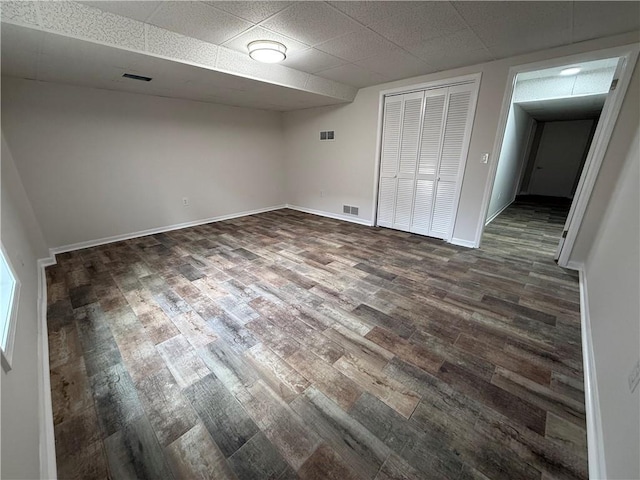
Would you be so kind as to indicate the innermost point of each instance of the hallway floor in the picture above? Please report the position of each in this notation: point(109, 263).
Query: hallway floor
point(285, 345)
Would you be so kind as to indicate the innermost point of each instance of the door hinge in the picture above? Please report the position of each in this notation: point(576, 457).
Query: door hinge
point(564, 234)
point(614, 84)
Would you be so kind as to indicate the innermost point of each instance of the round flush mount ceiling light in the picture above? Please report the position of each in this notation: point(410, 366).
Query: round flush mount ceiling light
point(267, 51)
point(570, 71)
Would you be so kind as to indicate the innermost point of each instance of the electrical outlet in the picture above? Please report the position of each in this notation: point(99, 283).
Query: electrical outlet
point(634, 377)
point(185, 201)
point(485, 158)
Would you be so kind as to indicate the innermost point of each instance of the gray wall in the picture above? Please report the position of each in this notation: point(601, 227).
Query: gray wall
point(559, 157)
point(24, 244)
point(612, 272)
point(514, 145)
point(98, 163)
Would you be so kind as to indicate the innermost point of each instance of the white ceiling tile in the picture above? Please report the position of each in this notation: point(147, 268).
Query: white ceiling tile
point(600, 19)
point(240, 42)
point(198, 20)
point(462, 58)
point(138, 10)
point(311, 60)
point(436, 49)
point(544, 29)
point(371, 12)
point(357, 45)
point(353, 75)
point(252, 11)
point(425, 21)
point(311, 22)
point(479, 12)
point(396, 65)
point(20, 12)
point(173, 45)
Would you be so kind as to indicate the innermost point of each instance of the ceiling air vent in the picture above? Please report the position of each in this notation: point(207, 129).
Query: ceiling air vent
point(137, 77)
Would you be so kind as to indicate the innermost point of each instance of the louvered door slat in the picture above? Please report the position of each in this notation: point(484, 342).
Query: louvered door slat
point(454, 131)
point(386, 201)
point(412, 114)
point(391, 136)
point(431, 132)
point(422, 206)
point(445, 197)
point(404, 203)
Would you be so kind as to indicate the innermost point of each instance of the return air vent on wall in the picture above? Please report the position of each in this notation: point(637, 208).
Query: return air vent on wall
point(327, 135)
point(137, 77)
point(350, 210)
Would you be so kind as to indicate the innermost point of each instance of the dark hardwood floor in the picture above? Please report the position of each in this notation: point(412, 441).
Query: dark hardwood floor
point(286, 345)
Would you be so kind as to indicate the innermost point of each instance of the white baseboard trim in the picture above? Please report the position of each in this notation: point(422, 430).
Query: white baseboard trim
point(46, 436)
point(493, 217)
point(463, 243)
point(573, 265)
point(595, 441)
point(336, 216)
point(152, 231)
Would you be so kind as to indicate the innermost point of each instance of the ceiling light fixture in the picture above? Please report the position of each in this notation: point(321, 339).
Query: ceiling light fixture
point(570, 71)
point(267, 51)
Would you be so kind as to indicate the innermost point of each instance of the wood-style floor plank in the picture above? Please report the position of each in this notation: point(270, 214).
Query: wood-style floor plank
point(285, 346)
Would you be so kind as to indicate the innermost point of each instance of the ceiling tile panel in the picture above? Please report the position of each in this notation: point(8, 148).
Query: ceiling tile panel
point(252, 11)
point(137, 10)
point(311, 60)
point(437, 49)
point(599, 19)
point(311, 22)
point(353, 75)
point(173, 45)
point(425, 21)
point(477, 13)
point(240, 42)
point(357, 45)
point(198, 20)
point(523, 34)
point(372, 12)
point(396, 65)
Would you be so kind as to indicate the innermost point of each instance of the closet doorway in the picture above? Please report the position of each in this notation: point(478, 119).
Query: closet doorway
point(425, 133)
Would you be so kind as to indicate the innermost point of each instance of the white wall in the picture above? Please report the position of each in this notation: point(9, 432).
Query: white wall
point(559, 157)
point(98, 163)
point(621, 140)
point(511, 161)
point(612, 273)
point(24, 244)
point(345, 169)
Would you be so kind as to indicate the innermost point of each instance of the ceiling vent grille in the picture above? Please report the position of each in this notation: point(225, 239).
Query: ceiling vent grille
point(137, 77)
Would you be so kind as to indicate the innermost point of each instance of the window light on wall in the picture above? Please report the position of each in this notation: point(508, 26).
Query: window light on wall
point(9, 292)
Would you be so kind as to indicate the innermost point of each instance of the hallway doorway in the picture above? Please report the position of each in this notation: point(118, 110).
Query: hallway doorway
point(553, 117)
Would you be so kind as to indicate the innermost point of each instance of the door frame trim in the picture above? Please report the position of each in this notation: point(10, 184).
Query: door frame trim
point(599, 143)
point(445, 82)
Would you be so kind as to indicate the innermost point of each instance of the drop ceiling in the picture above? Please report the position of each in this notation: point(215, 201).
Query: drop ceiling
point(568, 108)
point(334, 48)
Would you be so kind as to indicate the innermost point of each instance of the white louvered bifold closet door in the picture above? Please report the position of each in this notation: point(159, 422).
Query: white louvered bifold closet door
point(428, 159)
point(457, 130)
point(424, 146)
point(402, 122)
point(391, 127)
